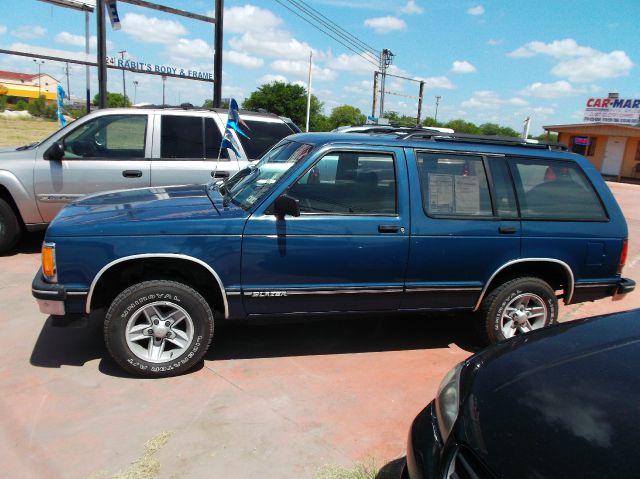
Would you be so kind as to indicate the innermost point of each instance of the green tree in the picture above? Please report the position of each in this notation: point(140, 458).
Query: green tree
point(3, 102)
point(38, 107)
point(462, 126)
point(320, 122)
point(346, 115)
point(21, 105)
point(284, 99)
point(430, 121)
point(114, 100)
point(224, 103)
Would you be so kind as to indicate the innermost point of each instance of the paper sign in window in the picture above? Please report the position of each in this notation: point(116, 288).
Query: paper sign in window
point(440, 193)
point(467, 195)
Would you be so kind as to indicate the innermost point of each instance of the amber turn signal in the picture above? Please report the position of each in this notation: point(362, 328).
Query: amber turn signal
point(49, 261)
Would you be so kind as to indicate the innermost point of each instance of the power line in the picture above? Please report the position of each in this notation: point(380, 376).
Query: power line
point(347, 36)
point(359, 53)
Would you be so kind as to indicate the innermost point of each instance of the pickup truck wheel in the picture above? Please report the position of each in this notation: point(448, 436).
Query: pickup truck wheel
point(158, 328)
point(516, 307)
point(10, 228)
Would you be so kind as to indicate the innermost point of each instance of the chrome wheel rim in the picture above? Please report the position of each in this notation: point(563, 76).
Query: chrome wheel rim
point(159, 332)
point(524, 313)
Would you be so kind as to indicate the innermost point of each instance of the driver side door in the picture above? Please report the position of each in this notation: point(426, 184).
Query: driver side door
point(108, 152)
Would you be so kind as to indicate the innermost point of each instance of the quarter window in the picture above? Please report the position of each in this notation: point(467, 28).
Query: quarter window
point(110, 136)
point(348, 183)
point(263, 135)
point(453, 185)
point(555, 190)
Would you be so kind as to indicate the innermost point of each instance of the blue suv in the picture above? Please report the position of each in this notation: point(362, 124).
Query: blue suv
point(339, 223)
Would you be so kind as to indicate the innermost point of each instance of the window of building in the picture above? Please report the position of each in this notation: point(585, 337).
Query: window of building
point(583, 145)
point(555, 190)
point(454, 185)
point(262, 136)
point(348, 183)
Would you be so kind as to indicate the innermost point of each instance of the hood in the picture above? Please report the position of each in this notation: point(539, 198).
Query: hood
point(177, 210)
point(561, 402)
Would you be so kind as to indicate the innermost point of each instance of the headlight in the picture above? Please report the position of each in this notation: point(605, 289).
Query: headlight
point(49, 262)
point(447, 401)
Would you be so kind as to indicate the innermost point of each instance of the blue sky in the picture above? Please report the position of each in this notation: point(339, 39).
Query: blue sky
point(489, 60)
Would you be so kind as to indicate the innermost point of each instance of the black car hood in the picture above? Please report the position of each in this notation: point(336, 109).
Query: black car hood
point(566, 405)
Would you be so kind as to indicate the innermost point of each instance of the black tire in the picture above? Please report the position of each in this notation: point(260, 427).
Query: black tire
point(491, 314)
point(10, 227)
point(131, 309)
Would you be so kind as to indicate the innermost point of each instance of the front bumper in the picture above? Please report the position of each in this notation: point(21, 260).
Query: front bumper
point(55, 299)
point(424, 446)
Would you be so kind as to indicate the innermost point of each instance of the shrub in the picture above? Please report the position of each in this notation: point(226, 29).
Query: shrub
point(21, 105)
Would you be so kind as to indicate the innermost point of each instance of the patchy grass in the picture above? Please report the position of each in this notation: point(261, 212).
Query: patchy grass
point(22, 132)
point(147, 466)
point(363, 470)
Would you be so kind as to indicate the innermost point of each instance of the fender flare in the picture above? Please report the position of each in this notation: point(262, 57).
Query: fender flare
point(158, 255)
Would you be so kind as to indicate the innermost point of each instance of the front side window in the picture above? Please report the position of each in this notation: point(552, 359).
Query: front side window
point(453, 185)
point(348, 183)
point(111, 136)
point(555, 190)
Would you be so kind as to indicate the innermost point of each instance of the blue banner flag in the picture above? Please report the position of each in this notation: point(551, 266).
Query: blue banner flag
point(229, 142)
point(59, 99)
point(113, 14)
point(233, 123)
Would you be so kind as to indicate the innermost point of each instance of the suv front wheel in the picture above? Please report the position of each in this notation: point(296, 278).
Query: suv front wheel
point(158, 328)
point(516, 307)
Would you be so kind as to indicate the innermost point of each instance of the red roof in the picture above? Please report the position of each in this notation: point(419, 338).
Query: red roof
point(17, 76)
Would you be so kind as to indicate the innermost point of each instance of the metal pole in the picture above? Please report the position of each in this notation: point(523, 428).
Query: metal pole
point(68, 86)
point(420, 103)
point(217, 58)
point(435, 118)
point(86, 49)
point(375, 94)
point(102, 53)
point(135, 91)
point(124, 83)
point(525, 129)
point(164, 81)
point(309, 90)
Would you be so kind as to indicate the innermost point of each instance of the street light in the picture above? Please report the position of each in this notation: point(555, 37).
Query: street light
point(135, 90)
point(438, 98)
point(39, 63)
point(124, 83)
point(164, 80)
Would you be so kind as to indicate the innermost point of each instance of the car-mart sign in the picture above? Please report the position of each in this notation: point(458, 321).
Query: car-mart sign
point(622, 111)
point(144, 67)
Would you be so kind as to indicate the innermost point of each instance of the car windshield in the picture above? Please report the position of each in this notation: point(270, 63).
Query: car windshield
point(247, 186)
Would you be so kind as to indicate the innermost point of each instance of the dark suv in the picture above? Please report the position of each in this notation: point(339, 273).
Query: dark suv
point(339, 223)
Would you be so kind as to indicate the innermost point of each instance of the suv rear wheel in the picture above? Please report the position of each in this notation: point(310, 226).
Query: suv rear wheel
point(10, 228)
point(516, 307)
point(158, 328)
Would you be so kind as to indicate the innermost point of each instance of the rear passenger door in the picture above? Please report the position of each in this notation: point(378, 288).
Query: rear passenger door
point(464, 227)
point(186, 149)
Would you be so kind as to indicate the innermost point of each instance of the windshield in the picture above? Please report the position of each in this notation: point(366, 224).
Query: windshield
point(247, 186)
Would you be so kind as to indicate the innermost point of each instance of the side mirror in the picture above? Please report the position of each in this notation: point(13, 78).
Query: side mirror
point(55, 152)
point(285, 205)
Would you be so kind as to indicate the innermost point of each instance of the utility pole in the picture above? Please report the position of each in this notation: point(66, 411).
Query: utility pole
point(102, 53)
point(420, 103)
point(385, 61)
point(309, 89)
point(217, 55)
point(374, 103)
point(68, 85)
point(164, 81)
point(39, 63)
point(124, 83)
point(135, 90)
point(435, 117)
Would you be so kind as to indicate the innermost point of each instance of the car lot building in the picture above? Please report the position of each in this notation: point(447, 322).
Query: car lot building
point(27, 86)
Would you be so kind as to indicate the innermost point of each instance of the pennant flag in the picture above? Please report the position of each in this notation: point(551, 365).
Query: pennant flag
point(229, 142)
point(113, 14)
point(59, 99)
point(233, 122)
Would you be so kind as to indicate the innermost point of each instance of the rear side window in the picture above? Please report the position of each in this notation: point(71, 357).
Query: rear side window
point(181, 137)
point(555, 190)
point(263, 135)
point(453, 185)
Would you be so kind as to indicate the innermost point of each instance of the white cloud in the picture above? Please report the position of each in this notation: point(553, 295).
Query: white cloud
point(249, 18)
point(232, 91)
point(493, 42)
point(29, 32)
point(273, 44)
point(351, 63)
point(242, 59)
point(363, 86)
point(439, 82)
point(152, 29)
point(385, 24)
point(412, 8)
point(185, 50)
point(300, 68)
point(490, 100)
point(578, 63)
point(462, 67)
point(477, 10)
point(67, 38)
point(3, 29)
point(270, 78)
point(595, 67)
point(549, 90)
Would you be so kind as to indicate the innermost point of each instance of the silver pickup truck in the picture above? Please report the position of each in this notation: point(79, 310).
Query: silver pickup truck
point(123, 148)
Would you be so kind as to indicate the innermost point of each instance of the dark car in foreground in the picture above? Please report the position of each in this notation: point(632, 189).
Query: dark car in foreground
point(557, 403)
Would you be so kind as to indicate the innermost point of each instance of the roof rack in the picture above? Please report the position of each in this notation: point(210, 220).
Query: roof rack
point(435, 135)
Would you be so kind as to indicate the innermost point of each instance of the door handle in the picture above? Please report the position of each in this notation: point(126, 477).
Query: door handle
point(132, 173)
point(389, 228)
point(507, 230)
point(220, 174)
